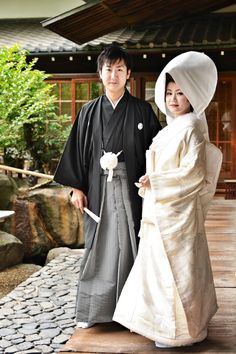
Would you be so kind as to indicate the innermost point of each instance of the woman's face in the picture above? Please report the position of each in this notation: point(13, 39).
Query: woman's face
point(176, 102)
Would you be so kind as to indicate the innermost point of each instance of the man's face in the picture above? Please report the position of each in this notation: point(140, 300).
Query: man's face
point(114, 76)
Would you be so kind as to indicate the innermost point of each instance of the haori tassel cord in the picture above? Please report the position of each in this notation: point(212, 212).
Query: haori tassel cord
point(108, 162)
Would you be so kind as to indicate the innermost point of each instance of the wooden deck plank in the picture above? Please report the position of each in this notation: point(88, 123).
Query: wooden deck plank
point(212, 236)
point(112, 338)
point(223, 281)
point(221, 234)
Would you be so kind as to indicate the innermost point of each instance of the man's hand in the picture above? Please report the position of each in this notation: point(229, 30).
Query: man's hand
point(79, 200)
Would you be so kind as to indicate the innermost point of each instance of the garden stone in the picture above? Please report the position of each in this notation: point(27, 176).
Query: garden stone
point(11, 250)
point(55, 252)
point(44, 219)
point(8, 190)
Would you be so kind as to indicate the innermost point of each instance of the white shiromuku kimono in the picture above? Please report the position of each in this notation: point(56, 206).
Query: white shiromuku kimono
point(169, 296)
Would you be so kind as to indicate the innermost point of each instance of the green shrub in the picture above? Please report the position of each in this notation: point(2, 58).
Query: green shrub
point(29, 127)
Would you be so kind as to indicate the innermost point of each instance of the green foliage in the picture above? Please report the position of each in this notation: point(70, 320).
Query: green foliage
point(28, 123)
point(47, 139)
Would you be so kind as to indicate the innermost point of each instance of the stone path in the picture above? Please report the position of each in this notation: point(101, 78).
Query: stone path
point(38, 316)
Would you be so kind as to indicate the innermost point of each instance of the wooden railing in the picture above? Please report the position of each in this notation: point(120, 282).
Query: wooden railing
point(25, 172)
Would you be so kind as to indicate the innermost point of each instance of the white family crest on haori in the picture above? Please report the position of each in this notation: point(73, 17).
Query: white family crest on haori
point(108, 162)
point(140, 126)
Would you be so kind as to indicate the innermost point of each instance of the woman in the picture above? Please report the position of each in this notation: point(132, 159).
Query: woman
point(169, 295)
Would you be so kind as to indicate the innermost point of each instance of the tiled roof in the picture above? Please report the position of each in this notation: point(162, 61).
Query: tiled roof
point(33, 37)
point(212, 31)
point(208, 31)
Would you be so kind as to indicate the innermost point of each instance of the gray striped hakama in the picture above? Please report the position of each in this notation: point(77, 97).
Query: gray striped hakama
point(106, 266)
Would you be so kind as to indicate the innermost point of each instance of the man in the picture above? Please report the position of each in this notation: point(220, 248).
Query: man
point(115, 123)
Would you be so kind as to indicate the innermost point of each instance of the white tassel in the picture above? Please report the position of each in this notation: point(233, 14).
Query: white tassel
point(108, 162)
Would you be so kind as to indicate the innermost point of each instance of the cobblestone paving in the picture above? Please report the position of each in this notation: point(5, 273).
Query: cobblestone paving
point(38, 316)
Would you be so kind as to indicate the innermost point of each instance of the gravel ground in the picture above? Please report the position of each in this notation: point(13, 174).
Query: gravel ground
point(13, 276)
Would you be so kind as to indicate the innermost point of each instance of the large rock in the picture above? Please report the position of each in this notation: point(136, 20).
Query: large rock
point(8, 189)
point(44, 219)
point(11, 250)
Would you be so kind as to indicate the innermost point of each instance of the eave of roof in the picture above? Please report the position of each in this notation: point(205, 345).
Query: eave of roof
point(101, 17)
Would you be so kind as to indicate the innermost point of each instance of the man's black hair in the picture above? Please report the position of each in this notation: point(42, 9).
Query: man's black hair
point(112, 54)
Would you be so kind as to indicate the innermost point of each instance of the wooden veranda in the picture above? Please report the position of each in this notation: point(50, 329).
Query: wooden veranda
point(221, 235)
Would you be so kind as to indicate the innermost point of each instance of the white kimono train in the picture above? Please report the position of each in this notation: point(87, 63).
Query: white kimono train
point(169, 296)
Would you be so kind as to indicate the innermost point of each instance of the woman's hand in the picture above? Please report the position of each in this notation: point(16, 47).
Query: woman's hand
point(79, 200)
point(144, 181)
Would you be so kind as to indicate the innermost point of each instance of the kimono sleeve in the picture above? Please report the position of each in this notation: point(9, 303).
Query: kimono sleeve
point(72, 169)
point(186, 176)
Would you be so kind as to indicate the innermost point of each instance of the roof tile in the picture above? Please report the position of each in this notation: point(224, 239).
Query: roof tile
point(212, 30)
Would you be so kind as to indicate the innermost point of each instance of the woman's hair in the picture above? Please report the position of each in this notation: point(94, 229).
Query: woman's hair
point(169, 79)
point(111, 54)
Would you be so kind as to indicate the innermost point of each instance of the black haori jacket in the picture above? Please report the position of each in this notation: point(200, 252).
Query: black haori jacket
point(79, 166)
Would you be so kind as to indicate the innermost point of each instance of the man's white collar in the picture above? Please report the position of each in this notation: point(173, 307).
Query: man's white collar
point(116, 103)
